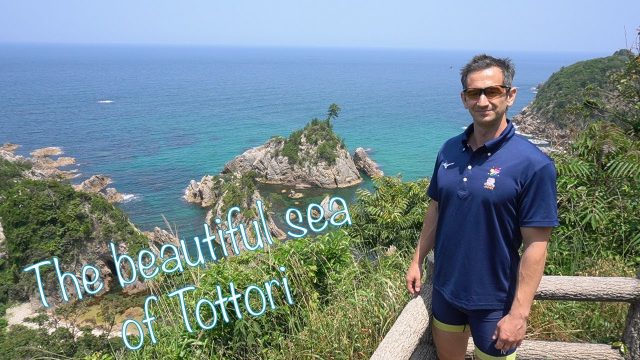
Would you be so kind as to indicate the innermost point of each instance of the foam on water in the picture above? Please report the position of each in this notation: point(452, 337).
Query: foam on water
point(130, 197)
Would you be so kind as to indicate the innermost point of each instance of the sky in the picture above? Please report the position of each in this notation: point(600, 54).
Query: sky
point(542, 25)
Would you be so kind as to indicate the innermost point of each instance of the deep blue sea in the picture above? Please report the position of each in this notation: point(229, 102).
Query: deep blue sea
point(153, 118)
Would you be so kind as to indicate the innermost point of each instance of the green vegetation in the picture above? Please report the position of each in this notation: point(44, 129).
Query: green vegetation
point(10, 173)
point(598, 192)
point(26, 343)
point(392, 214)
point(319, 135)
point(558, 97)
point(618, 103)
point(238, 192)
point(343, 304)
point(42, 219)
point(599, 233)
point(333, 112)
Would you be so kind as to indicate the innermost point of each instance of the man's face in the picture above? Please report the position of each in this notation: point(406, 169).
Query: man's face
point(488, 112)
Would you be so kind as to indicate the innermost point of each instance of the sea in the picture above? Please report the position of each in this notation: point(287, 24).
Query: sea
point(152, 118)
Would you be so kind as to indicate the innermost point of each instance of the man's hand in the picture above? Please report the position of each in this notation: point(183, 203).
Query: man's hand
point(425, 243)
point(511, 328)
point(414, 278)
point(510, 332)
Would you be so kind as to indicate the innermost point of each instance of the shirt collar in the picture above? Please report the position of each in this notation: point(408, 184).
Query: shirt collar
point(494, 144)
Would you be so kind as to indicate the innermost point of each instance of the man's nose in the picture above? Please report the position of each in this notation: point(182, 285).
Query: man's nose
point(482, 100)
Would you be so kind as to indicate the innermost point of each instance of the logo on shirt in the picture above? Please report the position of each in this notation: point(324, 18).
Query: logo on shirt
point(490, 184)
point(446, 164)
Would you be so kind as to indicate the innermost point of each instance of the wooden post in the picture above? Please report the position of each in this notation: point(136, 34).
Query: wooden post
point(426, 349)
point(631, 335)
point(410, 336)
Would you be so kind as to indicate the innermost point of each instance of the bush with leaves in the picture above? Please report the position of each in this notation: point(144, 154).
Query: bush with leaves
point(343, 304)
point(318, 133)
point(558, 96)
point(392, 214)
point(598, 192)
point(613, 96)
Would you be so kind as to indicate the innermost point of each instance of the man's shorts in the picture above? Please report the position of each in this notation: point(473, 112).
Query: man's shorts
point(448, 317)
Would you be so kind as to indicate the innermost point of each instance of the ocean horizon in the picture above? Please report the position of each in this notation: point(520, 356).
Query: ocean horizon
point(154, 117)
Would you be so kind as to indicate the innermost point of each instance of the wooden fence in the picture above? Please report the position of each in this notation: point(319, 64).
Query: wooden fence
point(410, 336)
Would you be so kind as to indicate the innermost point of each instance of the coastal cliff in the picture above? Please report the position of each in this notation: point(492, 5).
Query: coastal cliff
point(311, 157)
point(574, 97)
point(221, 192)
point(43, 216)
point(365, 164)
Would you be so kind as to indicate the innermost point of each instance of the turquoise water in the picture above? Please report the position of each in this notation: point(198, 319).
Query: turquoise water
point(153, 118)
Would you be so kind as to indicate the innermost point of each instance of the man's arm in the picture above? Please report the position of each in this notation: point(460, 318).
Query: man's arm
point(512, 328)
point(426, 242)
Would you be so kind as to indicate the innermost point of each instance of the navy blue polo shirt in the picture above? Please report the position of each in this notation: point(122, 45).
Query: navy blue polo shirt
point(484, 197)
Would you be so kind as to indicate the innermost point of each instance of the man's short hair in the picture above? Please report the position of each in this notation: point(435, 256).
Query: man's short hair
point(484, 61)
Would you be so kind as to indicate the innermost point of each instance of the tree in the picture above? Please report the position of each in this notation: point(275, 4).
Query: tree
point(333, 112)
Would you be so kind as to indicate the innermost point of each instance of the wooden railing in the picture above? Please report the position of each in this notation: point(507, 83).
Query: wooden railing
point(410, 336)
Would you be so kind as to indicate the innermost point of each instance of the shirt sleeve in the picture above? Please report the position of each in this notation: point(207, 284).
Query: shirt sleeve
point(538, 199)
point(432, 190)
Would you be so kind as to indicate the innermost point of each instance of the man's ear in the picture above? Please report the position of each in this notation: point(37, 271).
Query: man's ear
point(464, 102)
point(511, 96)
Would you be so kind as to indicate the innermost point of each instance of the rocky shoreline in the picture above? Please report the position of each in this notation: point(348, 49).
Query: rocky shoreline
point(271, 167)
point(543, 133)
point(46, 163)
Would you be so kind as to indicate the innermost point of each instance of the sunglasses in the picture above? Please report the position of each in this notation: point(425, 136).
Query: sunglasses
point(490, 92)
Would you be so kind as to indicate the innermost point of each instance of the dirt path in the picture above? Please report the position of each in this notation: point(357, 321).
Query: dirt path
point(17, 315)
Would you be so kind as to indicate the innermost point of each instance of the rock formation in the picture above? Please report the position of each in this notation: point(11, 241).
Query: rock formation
point(7, 152)
point(245, 216)
point(295, 195)
point(365, 164)
point(325, 206)
point(47, 152)
point(272, 167)
point(202, 192)
point(97, 184)
point(43, 167)
point(221, 192)
point(576, 96)
point(159, 237)
point(97, 253)
point(533, 126)
point(93, 184)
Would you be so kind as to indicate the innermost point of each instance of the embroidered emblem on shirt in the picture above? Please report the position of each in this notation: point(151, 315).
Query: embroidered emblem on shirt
point(446, 164)
point(494, 171)
point(490, 184)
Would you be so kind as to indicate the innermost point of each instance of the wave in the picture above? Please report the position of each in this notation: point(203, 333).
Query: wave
point(105, 101)
point(130, 197)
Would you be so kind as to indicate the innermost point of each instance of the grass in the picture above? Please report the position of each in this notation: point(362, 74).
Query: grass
point(597, 322)
point(343, 306)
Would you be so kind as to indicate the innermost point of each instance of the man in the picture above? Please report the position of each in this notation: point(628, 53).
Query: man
point(492, 192)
